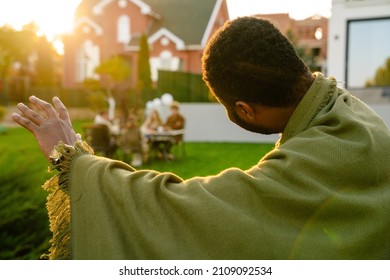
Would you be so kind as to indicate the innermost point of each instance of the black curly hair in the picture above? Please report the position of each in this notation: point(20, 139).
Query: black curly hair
point(249, 59)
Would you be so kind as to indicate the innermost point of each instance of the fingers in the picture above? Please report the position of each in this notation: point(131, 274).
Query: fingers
point(31, 120)
point(44, 106)
point(61, 109)
point(24, 122)
point(30, 114)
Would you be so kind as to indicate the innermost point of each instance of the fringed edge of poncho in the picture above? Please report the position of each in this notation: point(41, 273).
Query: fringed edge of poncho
point(58, 200)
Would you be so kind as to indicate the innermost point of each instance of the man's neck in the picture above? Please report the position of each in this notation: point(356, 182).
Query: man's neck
point(303, 85)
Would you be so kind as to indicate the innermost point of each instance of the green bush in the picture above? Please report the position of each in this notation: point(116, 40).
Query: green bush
point(185, 87)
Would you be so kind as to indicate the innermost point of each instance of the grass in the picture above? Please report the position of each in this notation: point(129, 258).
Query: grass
point(24, 231)
point(204, 159)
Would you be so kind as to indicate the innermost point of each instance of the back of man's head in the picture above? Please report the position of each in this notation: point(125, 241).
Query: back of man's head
point(250, 59)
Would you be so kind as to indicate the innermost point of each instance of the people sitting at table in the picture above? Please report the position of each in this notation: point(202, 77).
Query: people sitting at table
point(175, 121)
point(151, 125)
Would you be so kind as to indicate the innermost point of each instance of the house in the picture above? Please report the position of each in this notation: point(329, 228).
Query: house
point(177, 32)
point(359, 51)
point(310, 33)
point(359, 47)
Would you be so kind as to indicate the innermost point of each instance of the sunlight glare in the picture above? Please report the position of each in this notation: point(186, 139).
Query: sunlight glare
point(58, 46)
point(53, 17)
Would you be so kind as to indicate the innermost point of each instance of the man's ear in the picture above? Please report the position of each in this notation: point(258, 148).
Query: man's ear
point(245, 111)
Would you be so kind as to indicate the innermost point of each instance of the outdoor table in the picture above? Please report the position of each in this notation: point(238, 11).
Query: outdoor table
point(161, 141)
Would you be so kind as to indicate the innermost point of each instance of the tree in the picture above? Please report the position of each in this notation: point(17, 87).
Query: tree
point(143, 66)
point(115, 79)
point(5, 61)
point(114, 72)
point(306, 55)
point(25, 58)
point(45, 64)
point(18, 46)
point(382, 76)
point(10, 50)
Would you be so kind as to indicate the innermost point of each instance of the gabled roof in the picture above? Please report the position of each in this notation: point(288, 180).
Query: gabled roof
point(187, 19)
point(97, 28)
point(163, 32)
point(85, 8)
point(145, 8)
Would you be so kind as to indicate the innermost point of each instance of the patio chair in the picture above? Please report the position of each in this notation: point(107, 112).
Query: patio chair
point(99, 138)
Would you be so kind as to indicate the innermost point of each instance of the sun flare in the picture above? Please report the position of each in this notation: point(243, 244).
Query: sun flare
point(53, 17)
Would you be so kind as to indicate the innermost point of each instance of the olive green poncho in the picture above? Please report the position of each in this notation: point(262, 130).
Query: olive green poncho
point(323, 192)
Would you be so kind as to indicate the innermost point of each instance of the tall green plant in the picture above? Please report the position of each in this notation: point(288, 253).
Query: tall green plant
point(143, 66)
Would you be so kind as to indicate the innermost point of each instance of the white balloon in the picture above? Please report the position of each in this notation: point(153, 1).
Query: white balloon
point(149, 105)
point(156, 102)
point(167, 98)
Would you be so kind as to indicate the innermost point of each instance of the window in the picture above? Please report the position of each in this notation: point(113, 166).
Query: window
point(123, 29)
point(318, 33)
point(166, 61)
point(87, 61)
point(368, 53)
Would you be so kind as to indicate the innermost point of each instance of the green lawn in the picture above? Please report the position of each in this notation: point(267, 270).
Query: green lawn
point(24, 232)
point(204, 159)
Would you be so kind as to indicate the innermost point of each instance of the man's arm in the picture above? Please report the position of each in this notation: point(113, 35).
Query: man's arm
point(51, 127)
